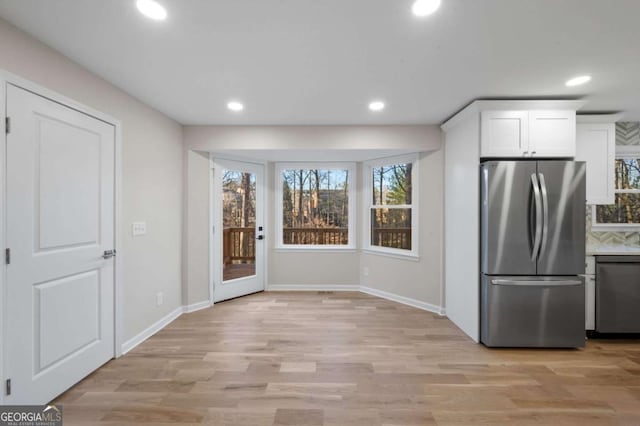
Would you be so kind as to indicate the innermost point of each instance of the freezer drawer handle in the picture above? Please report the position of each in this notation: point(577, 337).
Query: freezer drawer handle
point(536, 283)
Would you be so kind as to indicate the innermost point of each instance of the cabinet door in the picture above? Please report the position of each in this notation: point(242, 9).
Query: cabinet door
point(552, 133)
point(595, 144)
point(504, 134)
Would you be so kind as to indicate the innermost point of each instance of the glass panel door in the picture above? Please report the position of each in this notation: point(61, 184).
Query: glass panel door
point(238, 248)
point(239, 224)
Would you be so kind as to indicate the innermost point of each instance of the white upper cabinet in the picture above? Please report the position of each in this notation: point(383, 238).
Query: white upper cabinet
point(552, 133)
point(537, 133)
point(596, 145)
point(504, 133)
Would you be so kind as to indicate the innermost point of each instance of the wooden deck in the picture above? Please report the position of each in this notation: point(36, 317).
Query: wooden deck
point(338, 359)
point(238, 270)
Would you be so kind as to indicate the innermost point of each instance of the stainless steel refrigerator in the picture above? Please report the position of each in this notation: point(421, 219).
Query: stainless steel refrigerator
point(532, 252)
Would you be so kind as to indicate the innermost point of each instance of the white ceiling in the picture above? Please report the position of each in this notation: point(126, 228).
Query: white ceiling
point(322, 61)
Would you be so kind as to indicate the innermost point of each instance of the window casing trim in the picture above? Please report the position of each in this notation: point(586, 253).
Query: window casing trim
point(352, 205)
point(622, 152)
point(367, 189)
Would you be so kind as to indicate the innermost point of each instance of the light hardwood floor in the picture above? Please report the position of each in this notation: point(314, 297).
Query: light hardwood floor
point(350, 359)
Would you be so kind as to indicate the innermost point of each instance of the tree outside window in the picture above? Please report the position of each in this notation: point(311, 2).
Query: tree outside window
point(315, 206)
point(391, 208)
point(626, 209)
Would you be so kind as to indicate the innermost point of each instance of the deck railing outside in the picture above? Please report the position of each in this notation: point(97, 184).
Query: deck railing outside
point(239, 243)
point(392, 237)
point(315, 236)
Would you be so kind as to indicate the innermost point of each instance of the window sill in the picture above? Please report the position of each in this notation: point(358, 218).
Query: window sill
point(400, 256)
point(615, 228)
point(315, 249)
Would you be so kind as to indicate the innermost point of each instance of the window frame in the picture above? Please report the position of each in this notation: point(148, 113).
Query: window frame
point(351, 203)
point(367, 204)
point(622, 152)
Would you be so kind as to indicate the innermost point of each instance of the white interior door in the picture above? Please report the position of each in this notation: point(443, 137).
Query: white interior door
point(60, 221)
point(239, 238)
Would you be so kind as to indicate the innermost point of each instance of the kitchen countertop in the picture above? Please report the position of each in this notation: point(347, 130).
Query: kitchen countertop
point(613, 250)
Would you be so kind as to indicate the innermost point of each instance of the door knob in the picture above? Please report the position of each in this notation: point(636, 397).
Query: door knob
point(108, 254)
point(260, 237)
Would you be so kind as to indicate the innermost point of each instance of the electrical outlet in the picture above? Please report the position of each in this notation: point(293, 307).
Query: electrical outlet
point(138, 228)
point(159, 299)
point(365, 271)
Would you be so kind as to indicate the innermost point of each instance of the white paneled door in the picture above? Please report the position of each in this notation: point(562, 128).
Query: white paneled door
point(60, 229)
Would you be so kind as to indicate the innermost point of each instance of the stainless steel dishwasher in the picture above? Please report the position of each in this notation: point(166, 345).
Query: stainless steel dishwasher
point(618, 294)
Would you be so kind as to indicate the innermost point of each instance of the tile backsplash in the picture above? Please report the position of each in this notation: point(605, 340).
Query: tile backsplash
point(607, 238)
point(627, 133)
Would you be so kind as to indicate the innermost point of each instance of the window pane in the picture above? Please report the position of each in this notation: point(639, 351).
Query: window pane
point(625, 210)
point(391, 228)
point(628, 173)
point(392, 184)
point(315, 207)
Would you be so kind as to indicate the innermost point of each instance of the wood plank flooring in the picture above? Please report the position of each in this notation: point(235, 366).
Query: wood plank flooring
point(338, 359)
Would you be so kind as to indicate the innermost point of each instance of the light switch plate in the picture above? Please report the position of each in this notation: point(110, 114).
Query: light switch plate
point(139, 228)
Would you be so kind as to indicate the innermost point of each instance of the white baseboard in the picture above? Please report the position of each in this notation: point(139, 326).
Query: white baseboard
point(312, 287)
point(404, 300)
point(151, 330)
point(196, 306)
point(162, 323)
point(368, 290)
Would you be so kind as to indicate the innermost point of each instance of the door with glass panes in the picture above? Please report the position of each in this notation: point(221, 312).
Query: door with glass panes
point(238, 229)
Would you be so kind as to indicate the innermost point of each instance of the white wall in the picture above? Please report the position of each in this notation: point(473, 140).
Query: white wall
point(420, 280)
point(196, 283)
point(254, 139)
point(462, 254)
point(152, 174)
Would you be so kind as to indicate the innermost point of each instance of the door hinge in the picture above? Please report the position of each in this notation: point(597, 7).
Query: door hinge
point(7, 256)
point(8, 387)
point(7, 125)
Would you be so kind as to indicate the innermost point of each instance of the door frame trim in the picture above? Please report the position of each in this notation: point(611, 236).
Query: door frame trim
point(9, 78)
point(214, 204)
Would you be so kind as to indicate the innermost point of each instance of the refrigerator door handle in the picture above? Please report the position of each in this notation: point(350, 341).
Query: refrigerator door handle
point(545, 214)
point(536, 283)
point(538, 202)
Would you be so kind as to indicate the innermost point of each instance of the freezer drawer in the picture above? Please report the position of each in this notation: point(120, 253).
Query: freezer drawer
point(618, 294)
point(538, 311)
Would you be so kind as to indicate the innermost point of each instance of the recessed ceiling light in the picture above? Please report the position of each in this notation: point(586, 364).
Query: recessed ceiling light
point(425, 7)
point(152, 9)
point(577, 81)
point(235, 106)
point(376, 106)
